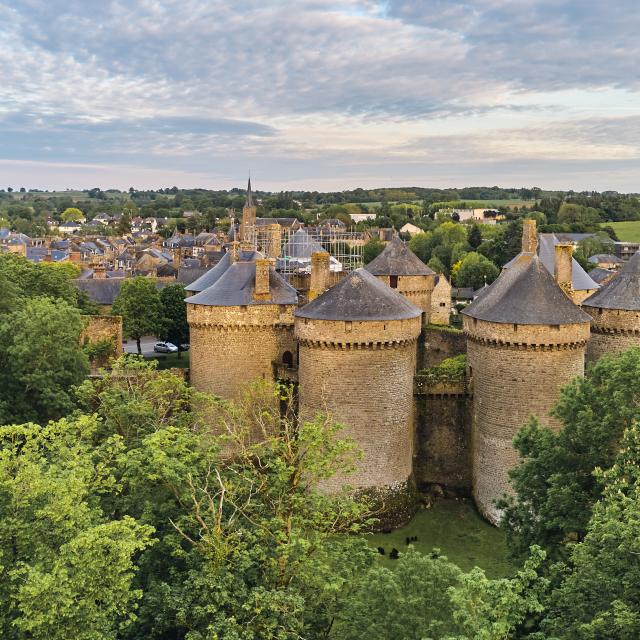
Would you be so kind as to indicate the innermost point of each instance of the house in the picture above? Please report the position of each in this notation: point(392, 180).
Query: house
point(69, 227)
point(361, 217)
point(411, 229)
point(482, 216)
point(103, 218)
point(606, 261)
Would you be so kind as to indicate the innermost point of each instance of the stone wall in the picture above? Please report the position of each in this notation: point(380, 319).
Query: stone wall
point(417, 289)
point(100, 328)
point(441, 302)
point(443, 437)
point(438, 344)
point(515, 372)
point(361, 374)
point(612, 331)
point(233, 346)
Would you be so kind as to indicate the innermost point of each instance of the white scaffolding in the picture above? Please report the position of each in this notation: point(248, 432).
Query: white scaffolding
point(293, 249)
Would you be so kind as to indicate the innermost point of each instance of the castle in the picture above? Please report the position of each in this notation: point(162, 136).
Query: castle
point(354, 342)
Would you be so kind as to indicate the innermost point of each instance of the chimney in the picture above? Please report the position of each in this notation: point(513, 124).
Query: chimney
point(233, 252)
point(319, 274)
point(564, 267)
point(177, 258)
point(529, 236)
point(99, 272)
point(261, 291)
point(275, 241)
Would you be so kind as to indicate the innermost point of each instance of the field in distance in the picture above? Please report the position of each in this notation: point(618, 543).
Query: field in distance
point(628, 231)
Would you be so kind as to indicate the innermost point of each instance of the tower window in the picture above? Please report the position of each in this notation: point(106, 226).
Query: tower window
point(393, 282)
point(287, 358)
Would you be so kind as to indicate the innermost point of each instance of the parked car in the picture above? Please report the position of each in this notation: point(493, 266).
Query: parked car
point(165, 347)
point(184, 347)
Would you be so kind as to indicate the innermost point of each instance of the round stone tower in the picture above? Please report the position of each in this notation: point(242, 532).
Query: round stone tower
point(525, 340)
point(357, 358)
point(401, 269)
point(615, 312)
point(239, 327)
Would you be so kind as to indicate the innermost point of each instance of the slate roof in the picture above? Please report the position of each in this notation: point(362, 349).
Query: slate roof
point(601, 275)
point(398, 260)
point(547, 253)
point(105, 290)
point(187, 275)
point(236, 285)
point(605, 257)
point(100, 290)
point(359, 296)
point(209, 277)
point(622, 291)
point(525, 293)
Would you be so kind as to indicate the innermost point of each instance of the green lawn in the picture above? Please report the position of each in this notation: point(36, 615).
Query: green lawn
point(170, 360)
point(458, 531)
point(628, 231)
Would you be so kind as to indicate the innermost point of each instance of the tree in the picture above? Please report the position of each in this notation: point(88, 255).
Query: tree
point(140, 306)
point(555, 485)
point(435, 264)
point(372, 249)
point(40, 360)
point(247, 547)
point(67, 570)
point(578, 214)
point(599, 596)
point(129, 211)
point(409, 601)
point(474, 270)
point(421, 244)
point(72, 214)
point(32, 280)
point(475, 236)
point(174, 311)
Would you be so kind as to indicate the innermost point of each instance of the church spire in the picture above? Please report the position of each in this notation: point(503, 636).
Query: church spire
point(249, 201)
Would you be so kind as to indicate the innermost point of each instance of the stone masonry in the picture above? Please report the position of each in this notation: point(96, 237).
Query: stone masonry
point(232, 346)
point(361, 373)
point(516, 371)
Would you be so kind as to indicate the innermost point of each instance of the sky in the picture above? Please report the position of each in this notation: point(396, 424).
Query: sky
point(320, 94)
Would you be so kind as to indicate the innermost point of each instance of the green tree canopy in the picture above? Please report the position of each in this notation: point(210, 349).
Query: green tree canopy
point(72, 214)
point(474, 270)
point(555, 484)
point(141, 309)
point(372, 249)
point(174, 310)
point(40, 360)
point(599, 597)
point(67, 568)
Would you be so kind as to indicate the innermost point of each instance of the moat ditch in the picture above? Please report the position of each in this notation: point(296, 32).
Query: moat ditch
point(458, 531)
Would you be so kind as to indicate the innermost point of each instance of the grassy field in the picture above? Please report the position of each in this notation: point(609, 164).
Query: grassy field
point(626, 231)
point(478, 204)
point(458, 531)
point(170, 360)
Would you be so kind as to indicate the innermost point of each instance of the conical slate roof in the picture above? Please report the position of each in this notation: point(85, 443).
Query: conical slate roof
point(581, 281)
point(525, 293)
point(622, 291)
point(359, 296)
point(209, 278)
point(235, 287)
point(398, 260)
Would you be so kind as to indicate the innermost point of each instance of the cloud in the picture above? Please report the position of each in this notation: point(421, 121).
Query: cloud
point(313, 86)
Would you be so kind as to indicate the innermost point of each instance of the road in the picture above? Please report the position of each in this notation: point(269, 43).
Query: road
point(146, 343)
